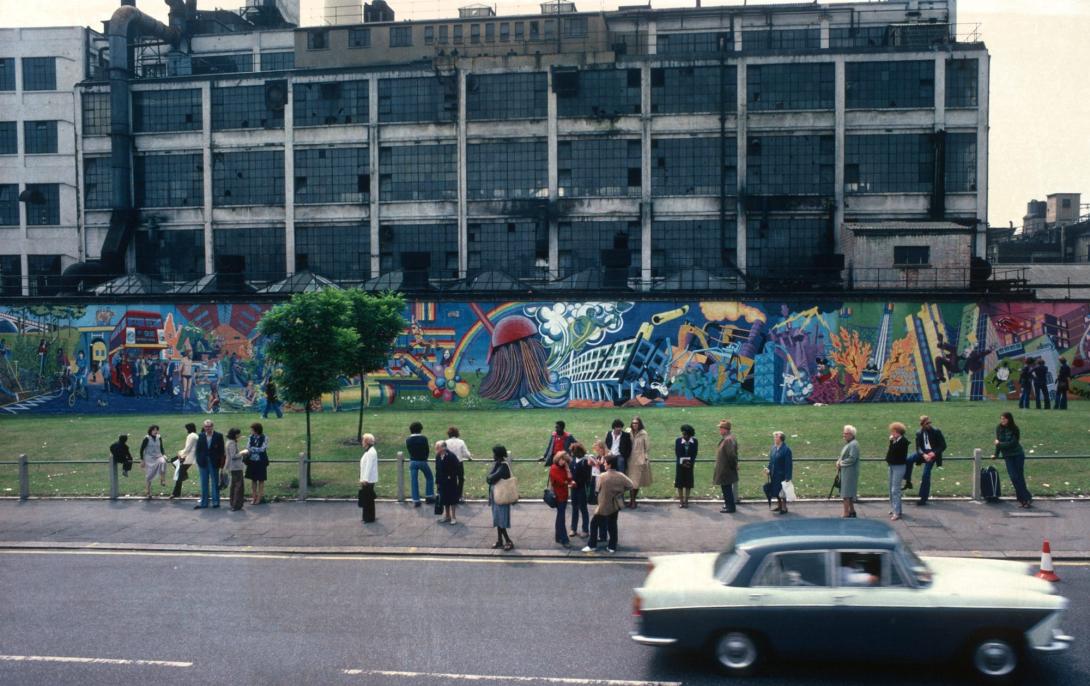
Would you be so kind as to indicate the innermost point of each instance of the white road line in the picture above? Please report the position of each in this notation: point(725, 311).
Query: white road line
point(347, 557)
point(517, 679)
point(93, 660)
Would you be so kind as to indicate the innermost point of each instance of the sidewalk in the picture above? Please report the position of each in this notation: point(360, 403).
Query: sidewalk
point(950, 527)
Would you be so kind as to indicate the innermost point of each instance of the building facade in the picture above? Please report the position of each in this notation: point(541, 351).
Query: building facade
point(748, 147)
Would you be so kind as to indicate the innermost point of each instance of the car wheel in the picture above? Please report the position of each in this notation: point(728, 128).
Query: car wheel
point(737, 653)
point(995, 659)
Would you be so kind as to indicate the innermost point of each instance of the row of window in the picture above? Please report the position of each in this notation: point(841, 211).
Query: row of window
point(39, 138)
point(42, 202)
point(43, 272)
point(457, 34)
point(39, 73)
point(595, 93)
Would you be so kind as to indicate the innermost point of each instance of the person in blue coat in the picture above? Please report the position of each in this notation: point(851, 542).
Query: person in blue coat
point(449, 479)
point(779, 468)
point(685, 449)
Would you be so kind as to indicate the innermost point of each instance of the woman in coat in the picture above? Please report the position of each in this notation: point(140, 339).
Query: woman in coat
point(639, 465)
point(187, 457)
point(153, 459)
point(779, 469)
point(560, 480)
point(1008, 439)
point(257, 464)
point(501, 514)
point(848, 467)
point(449, 478)
point(235, 465)
point(896, 458)
point(685, 449)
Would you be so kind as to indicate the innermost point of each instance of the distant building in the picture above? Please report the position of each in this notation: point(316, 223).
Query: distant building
point(1055, 230)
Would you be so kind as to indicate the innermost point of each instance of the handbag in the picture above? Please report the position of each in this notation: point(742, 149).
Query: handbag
point(506, 491)
point(787, 490)
point(225, 479)
point(549, 497)
point(359, 498)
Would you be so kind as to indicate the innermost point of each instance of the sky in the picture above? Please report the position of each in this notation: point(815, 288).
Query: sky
point(1040, 96)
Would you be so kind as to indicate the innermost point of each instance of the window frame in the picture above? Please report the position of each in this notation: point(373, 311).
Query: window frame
point(770, 558)
point(907, 251)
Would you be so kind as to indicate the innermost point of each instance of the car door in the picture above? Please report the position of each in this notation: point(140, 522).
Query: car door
point(790, 596)
point(876, 607)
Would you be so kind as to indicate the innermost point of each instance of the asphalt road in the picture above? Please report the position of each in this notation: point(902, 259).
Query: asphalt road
point(239, 619)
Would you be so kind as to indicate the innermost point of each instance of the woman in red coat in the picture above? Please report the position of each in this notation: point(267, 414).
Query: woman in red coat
point(559, 480)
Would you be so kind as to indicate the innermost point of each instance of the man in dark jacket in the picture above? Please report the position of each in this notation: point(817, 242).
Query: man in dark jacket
point(930, 445)
point(1025, 382)
point(1063, 384)
point(726, 466)
point(619, 443)
point(211, 456)
point(560, 440)
point(121, 454)
point(1040, 384)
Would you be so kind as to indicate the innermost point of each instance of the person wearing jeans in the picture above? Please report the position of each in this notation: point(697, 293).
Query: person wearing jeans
point(418, 447)
point(211, 456)
point(1008, 439)
point(580, 471)
point(930, 445)
point(896, 456)
point(1025, 381)
point(559, 481)
point(612, 483)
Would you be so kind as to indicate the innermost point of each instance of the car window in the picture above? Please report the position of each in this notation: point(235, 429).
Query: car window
point(855, 568)
point(793, 569)
point(728, 564)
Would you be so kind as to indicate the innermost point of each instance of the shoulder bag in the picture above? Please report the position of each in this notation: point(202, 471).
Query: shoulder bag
point(549, 496)
point(506, 491)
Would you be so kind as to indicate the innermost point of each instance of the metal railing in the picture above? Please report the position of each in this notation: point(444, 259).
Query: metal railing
point(302, 492)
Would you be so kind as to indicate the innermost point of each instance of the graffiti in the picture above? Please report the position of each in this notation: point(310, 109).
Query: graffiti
point(210, 358)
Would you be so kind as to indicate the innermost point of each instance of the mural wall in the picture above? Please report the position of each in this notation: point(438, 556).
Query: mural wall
point(210, 357)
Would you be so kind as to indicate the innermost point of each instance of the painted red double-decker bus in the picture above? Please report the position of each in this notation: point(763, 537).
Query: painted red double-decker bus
point(139, 333)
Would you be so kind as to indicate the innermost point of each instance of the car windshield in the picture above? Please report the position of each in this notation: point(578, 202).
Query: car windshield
point(728, 563)
point(918, 567)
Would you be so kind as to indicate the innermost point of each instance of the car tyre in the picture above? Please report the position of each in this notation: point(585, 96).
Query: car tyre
point(737, 653)
point(995, 658)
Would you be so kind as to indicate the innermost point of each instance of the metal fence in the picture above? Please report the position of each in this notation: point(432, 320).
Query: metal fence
point(110, 468)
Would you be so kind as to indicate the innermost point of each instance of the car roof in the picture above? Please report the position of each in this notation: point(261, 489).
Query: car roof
point(816, 533)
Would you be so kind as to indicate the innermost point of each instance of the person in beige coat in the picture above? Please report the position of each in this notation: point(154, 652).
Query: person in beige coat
point(639, 461)
point(726, 465)
point(611, 487)
point(187, 457)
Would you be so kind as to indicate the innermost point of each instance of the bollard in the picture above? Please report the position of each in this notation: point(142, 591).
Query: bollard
point(113, 479)
point(24, 478)
point(976, 474)
point(400, 476)
point(301, 493)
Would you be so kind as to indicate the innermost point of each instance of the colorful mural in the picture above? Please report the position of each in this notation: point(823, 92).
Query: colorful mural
point(209, 357)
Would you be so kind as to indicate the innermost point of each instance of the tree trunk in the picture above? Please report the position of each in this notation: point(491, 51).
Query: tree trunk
point(308, 444)
point(359, 424)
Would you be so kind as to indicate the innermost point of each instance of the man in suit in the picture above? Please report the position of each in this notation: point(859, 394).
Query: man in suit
point(1040, 384)
point(726, 466)
point(930, 445)
point(619, 444)
point(560, 440)
point(211, 456)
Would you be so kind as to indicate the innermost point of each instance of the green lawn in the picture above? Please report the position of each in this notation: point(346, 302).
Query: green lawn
point(813, 432)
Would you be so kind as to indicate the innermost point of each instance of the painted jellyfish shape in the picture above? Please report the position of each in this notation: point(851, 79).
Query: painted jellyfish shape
point(517, 360)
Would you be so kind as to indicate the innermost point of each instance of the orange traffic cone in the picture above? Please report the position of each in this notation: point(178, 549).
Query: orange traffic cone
point(1047, 572)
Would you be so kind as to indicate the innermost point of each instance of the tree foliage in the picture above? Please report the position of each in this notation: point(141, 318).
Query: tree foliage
point(377, 320)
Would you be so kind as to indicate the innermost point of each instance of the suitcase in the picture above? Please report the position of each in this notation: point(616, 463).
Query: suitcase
point(989, 484)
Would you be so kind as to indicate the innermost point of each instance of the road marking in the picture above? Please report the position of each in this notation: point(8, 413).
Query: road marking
point(347, 557)
point(518, 679)
point(92, 660)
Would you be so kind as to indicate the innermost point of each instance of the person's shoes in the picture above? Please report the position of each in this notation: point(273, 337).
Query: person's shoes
point(430, 501)
point(894, 518)
point(611, 550)
point(453, 522)
point(921, 502)
point(497, 545)
point(235, 509)
point(587, 549)
point(907, 486)
point(508, 546)
point(444, 520)
point(564, 544)
point(125, 474)
point(200, 507)
point(724, 510)
point(416, 503)
point(780, 512)
point(215, 506)
point(852, 515)
point(573, 534)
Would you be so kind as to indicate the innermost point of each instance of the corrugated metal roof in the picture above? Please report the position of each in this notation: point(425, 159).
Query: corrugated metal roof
point(906, 227)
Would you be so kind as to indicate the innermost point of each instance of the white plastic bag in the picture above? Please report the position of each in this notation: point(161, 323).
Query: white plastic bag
point(787, 491)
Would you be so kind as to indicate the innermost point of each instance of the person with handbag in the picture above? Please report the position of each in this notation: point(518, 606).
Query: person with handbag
point(187, 457)
point(257, 468)
point(236, 465)
point(449, 478)
point(612, 484)
point(560, 480)
point(896, 457)
point(685, 449)
point(368, 478)
point(847, 466)
point(501, 479)
point(779, 470)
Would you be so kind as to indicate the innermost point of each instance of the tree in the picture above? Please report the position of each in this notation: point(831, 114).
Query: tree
point(311, 338)
point(377, 320)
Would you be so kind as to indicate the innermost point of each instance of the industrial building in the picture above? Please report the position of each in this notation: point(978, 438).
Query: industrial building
point(730, 149)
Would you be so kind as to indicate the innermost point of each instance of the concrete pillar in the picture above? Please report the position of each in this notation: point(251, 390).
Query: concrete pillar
point(554, 190)
point(645, 176)
point(289, 184)
point(652, 38)
point(982, 133)
point(373, 158)
point(940, 92)
point(824, 28)
point(737, 32)
point(463, 181)
point(206, 136)
point(840, 105)
point(742, 149)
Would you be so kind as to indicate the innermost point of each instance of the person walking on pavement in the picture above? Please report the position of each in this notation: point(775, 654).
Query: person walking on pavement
point(612, 484)
point(1025, 383)
point(896, 456)
point(1008, 445)
point(121, 453)
point(619, 444)
point(368, 478)
point(1063, 384)
point(418, 447)
point(153, 459)
point(848, 466)
point(501, 514)
point(257, 465)
point(559, 481)
point(639, 462)
point(685, 449)
point(187, 457)
point(1040, 384)
point(780, 469)
point(580, 473)
point(211, 456)
point(449, 478)
point(235, 465)
point(559, 441)
point(726, 466)
point(930, 445)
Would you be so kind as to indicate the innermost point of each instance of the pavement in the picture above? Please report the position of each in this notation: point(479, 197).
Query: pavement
point(944, 527)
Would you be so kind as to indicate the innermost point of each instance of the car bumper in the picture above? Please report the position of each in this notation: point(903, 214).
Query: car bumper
point(1059, 643)
point(651, 640)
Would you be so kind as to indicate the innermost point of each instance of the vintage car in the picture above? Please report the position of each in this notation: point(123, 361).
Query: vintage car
point(846, 589)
